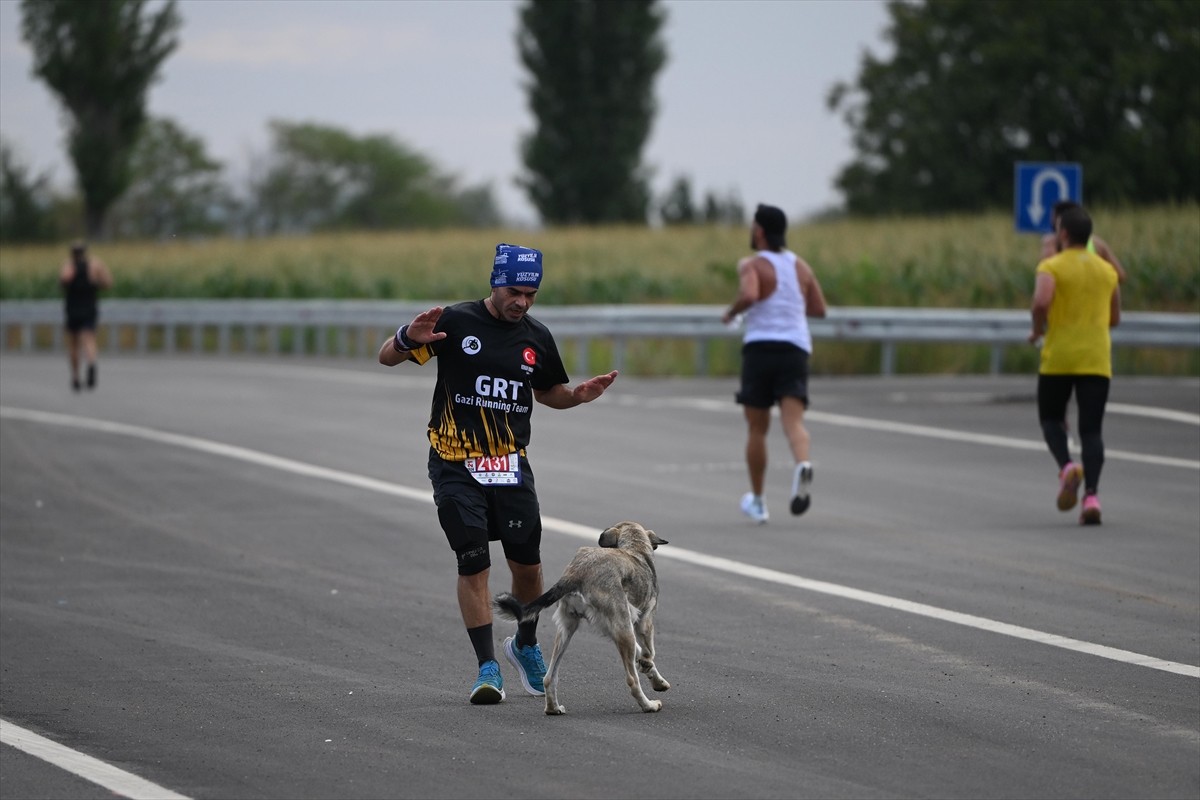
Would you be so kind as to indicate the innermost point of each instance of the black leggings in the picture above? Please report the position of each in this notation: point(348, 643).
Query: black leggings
point(1091, 393)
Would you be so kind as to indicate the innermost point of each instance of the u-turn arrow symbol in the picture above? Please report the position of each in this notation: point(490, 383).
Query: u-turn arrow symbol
point(1039, 180)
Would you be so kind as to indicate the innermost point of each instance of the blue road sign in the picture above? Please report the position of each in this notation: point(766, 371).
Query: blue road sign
point(1038, 187)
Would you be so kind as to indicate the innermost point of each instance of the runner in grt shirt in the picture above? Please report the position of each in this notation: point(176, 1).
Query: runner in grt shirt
point(493, 361)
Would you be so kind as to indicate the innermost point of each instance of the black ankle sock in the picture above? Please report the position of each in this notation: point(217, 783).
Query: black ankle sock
point(91, 376)
point(481, 640)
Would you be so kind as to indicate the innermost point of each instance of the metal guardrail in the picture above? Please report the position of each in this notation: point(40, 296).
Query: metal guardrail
point(345, 328)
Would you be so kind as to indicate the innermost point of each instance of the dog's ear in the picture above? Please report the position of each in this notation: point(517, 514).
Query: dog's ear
point(655, 539)
point(609, 538)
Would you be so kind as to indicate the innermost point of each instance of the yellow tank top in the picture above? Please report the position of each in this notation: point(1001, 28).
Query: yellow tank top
point(1077, 340)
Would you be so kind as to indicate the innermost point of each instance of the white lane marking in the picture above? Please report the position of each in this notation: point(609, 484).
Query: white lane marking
point(981, 398)
point(422, 381)
point(863, 423)
point(589, 533)
point(933, 612)
point(988, 439)
point(218, 449)
point(118, 781)
point(1156, 413)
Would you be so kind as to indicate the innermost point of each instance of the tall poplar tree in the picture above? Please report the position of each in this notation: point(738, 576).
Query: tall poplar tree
point(592, 65)
point(100, 57)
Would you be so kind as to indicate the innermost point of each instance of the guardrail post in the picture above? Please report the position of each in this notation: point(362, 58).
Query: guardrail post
point(618, 352)
point(997, 357)
point(582, 346)
point(701, 361)
point(888, 359)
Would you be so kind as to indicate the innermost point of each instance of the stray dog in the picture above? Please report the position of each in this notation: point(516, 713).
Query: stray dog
point(613, 586)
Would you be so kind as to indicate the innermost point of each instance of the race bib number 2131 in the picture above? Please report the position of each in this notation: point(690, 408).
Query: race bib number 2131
point(495, 470)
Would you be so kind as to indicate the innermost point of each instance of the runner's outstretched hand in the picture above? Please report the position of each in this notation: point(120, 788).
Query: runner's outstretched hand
point(420, 330)
point(589, 390)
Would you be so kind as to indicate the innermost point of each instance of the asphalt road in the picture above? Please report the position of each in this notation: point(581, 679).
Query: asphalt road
point(227, 579)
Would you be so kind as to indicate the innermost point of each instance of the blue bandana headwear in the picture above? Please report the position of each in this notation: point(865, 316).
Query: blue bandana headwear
point(517, 266)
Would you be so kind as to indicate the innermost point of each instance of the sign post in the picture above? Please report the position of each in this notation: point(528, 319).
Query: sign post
point(1039, 185)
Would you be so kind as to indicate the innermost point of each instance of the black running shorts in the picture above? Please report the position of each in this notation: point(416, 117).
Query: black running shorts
point(473, 515)
point(771, 371)
point(81, 321)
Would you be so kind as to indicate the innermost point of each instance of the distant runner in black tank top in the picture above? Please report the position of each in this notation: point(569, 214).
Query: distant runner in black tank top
point(82, 277)
point(493, 361)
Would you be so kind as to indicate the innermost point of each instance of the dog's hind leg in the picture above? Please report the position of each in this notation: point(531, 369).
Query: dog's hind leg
point(645, 633)
point(567, 623)
point(627, 646)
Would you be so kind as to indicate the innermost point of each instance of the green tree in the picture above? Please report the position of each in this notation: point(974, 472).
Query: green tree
point(729, 210)
point(677, 207)
point(319, 177)
point(100, 57)
point(26, 201)
point(971, 88)
point(176, 189)
point(592, 65)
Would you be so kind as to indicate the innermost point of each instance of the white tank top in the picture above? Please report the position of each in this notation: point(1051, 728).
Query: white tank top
point(782, 316)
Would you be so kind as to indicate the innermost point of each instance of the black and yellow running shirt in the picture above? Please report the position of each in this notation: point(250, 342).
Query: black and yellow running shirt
point(487, 371)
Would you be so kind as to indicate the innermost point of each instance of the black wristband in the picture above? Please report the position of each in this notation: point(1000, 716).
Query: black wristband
point(402, 342)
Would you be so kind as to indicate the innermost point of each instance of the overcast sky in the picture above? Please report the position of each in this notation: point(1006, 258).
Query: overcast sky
point(741, 98)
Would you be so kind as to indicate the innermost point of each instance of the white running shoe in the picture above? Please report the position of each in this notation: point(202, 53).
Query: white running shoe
point(755, 508)
point(801, 480)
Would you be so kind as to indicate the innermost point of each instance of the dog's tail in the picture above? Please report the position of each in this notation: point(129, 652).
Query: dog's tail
point(510, 607)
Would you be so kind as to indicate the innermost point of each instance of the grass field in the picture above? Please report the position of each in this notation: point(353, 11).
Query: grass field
point(967, 261)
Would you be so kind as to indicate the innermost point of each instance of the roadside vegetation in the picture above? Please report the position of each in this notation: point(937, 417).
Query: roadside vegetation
point(967, 261)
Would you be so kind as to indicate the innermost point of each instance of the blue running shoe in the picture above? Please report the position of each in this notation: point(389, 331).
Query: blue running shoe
point(529, 664)
point(489, 689)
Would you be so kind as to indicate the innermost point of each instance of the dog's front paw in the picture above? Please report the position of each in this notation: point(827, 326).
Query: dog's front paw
point(553, 710)
point(652, 706)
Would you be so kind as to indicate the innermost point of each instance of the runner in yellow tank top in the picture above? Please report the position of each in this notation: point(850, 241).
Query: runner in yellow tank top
point(1077, 341)
point(1076, 300)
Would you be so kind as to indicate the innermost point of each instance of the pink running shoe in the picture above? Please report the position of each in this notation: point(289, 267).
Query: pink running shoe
point(1090, 515)
point(1068, 485)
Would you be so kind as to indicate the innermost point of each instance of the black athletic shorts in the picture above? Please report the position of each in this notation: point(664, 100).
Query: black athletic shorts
point(82, 321)
point(771, 371)
point(473, 515)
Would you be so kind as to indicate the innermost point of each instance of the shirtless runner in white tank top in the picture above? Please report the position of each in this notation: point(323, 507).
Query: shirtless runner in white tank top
point(777, 291)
